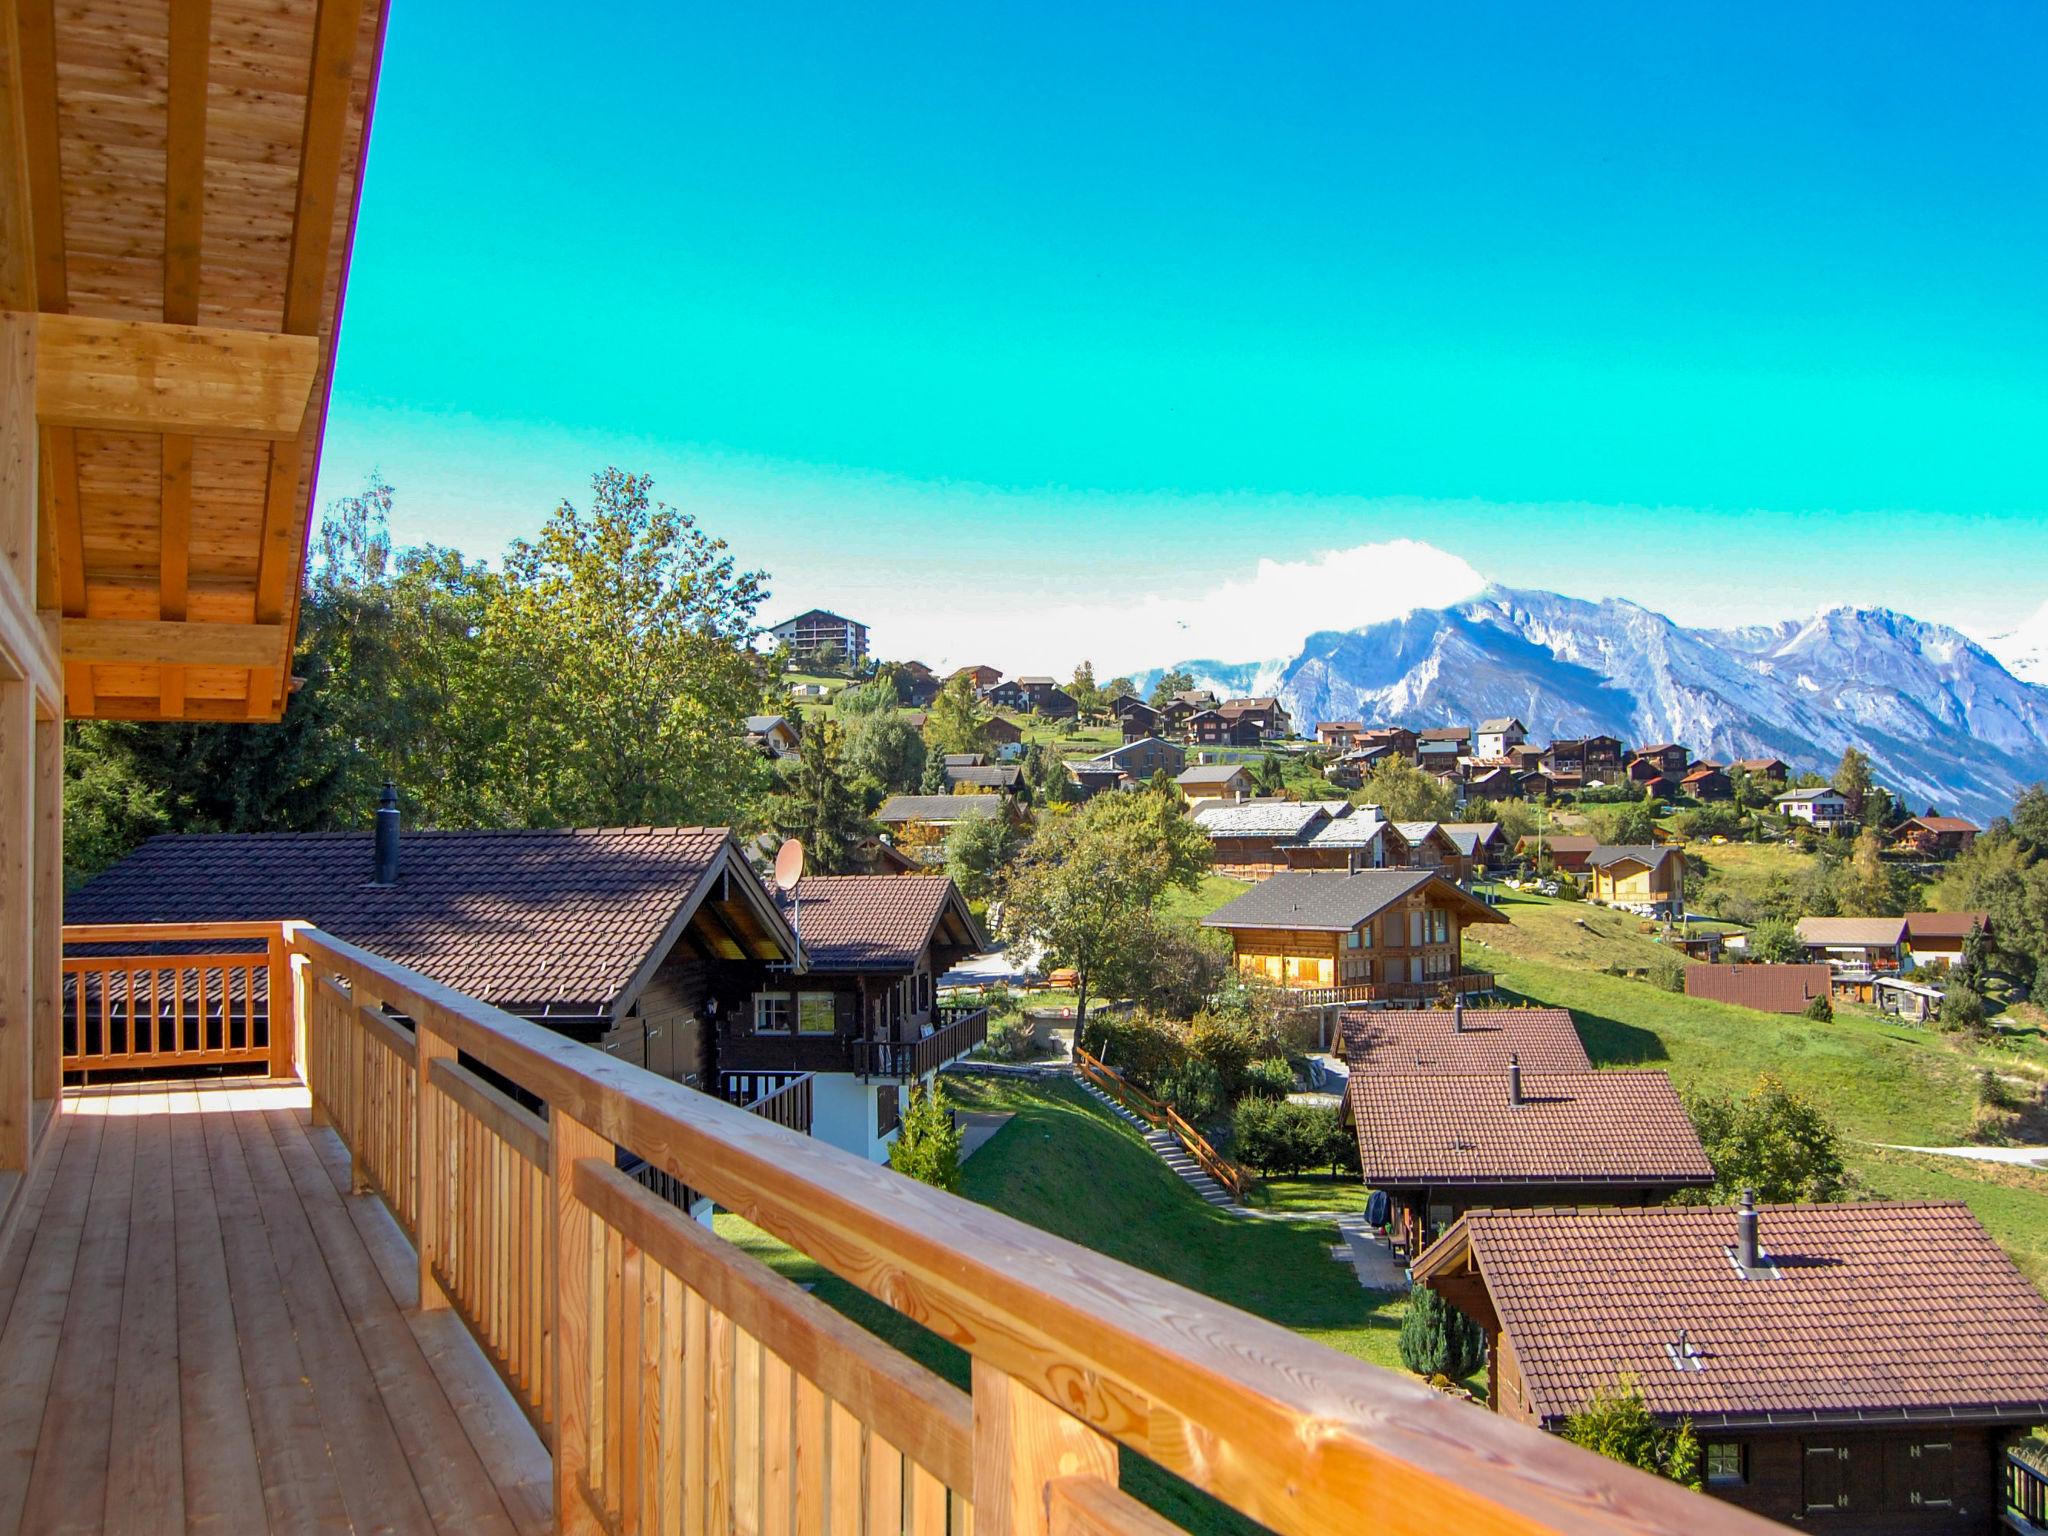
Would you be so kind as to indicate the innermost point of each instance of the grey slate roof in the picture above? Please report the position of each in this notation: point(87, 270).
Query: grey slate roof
point(1416, 831)
point(939, 808)
point(1263, 818)
point(1209, 773)
point(1334, 901)
point(1355, 831)
point(1648, 855)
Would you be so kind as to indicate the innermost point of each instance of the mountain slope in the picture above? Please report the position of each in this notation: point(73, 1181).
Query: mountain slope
point(1943, 721)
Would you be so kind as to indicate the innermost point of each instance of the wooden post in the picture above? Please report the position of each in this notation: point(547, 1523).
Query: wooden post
point(279, 1012)
point(357, 1131)
point(437, 1169)
point(49, 910)
point(1022, 1443)
point(569, 1141)
point(17, 920)
point(302, 1029)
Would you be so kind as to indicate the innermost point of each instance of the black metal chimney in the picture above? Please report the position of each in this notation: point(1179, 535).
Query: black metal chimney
point(1514, 1078)
point(1748, 1255)
point(1457, 1016)
point(384, 865)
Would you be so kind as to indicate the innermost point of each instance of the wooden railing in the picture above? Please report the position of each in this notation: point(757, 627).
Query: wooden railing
point(684, 1387)
point(907, 1059)
point(784, 1097)
point(154, 1004)
point(1463, 984)
point(2026, 1493)
point(1157, 1112)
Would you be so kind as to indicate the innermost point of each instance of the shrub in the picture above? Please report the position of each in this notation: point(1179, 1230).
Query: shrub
point(1618, 1424)
point(1270, 1077)
point(1962, 1009)
point(1278, 1136)
point(1821, 1009)
point(1776, 942)
point(1229, 1045)
point(1774, 1141)
point(1141, 1044)
point(1009, 1037)
point(1195, 1090)
point(1668, 972)
point(927, 1148)
point(1439, 1340)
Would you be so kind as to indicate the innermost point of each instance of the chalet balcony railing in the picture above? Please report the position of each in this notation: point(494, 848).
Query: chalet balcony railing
point(959, 1031)
point(171, 996)
point(1463, 984)
point(2026, 1492)
point(783, 1097)
point(684, 1386)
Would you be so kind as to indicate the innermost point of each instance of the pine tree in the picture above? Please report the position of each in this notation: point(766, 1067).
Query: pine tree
point(1437, 1339)
point(819, 806)
point(927, 1148)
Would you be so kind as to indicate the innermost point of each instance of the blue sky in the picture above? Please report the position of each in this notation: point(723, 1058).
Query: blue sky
point(1035, 322)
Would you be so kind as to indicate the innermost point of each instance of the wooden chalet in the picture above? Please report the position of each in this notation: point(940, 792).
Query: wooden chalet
point(1567, 853)
point(383, 1255)
point(1000, 731)
point(1586, 758)
point(1668, 758)
point(1707, 781)
point(1494, 782)
point(861, 1014)
point(1427, 845)
point(1935, 837)
point(1481, 845)
point(1822, 808)
point(1940, 938)
point(1373, 934)
point(1646, 877)
point(1146, 756)
point(1340, 734)
point(1138, 719)
point(1357, 840)
point(1872, 944)
point(1221, 728)
point(1763, 770)
point(1457, 1135)
point(916, 684)
point(1213, 781)
point(1831, 1359)
point(979, 675)
point(1458, 736)
point(1397, 739)
point(773, 735)
point(1251, 839)
point(1266, 716)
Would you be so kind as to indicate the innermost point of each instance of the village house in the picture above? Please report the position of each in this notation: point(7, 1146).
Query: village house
point(1852, 1367)
point(1001, 731)
point(997, 778)
point(1214, 728)
point(1647, 878)
point(1766, 988)
point(1670, 759)
point(1935, 837)
point(1763, 770)
point(1820, 808)
point(916, 684)
point(1265, 715)
point(1707, 781)
point(1855, 943)
point(1444, 759)
point(1139, 719)
point(819, 636)
point(1458, 736)
point(1940, 938)
point(918, 824)
point(1213, 781)
point(1445, 1139)
point(1566, 852)
point(1586, 757)
point(1340, 734)
point(1525, 758)
point(1459, 1039)
point(1092, 776)
point(1426, 845)
point(862, 1011)
point(1391, 934)
point(1535, 784)
point(980, 676)
point(1499, 736)
point(1248, 839)
point(1481, 845)
point(772, 735)
point(1492, 783)
point(1141, 759)
point(1397, 739)
point(1361, 840)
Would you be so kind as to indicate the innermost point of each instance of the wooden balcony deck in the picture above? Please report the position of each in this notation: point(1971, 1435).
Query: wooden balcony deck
point(202, 1330)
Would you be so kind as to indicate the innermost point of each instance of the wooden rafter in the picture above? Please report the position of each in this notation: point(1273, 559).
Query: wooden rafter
point(191, 26)
point(159, 642)
point(144, 376)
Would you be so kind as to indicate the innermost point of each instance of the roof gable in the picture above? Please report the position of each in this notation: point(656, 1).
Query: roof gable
point(877, 922)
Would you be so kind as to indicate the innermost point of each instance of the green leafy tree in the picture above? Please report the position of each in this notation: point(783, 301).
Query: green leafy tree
point(1632, 824)
point(1775, 941)
point(623, 636)
point(865, 699)
point(1116, 688)
point(2003, 875)
point(927, 1147)
point(1773, 1140)
point(882, 749)
point(1618, 1424)
point(2028, 823)
point(1086, 876)
point(1403, 792)
point(1088, 698)
point(1269, 777)
point(819, 806)
point(1173, 680)
point(978, 853)
point(1864, 885)
point(1852, 779)
point(1437, 1339)
point(956, 721)
point(1045, 773)
point(109, 808)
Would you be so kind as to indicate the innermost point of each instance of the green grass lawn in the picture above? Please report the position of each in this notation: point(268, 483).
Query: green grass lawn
point(1880, 1080)
point(1747, 871)
point(1063, 1164)
point(1311, 1192)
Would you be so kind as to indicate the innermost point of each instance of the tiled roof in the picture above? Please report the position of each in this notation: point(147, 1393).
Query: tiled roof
point(1943, 824)
point(1209, 773)
point(939, 808)
point(1871, 1310)
point(1439, 1128)
point(1852, 930)
point(1944, 925)
point(1484, 830)
point(1446, 733)
point(989, 776)
point(1822, 793)
point(1570, 842)
point(522, 919)
point(1335, 901)
point(1261, 818)
point(1417, 831)
point(1767, 988)
point(1645, 854)
point(1480, 1040)
point(871, 922)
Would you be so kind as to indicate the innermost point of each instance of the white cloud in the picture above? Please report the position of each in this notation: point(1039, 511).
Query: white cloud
point(1263, 616)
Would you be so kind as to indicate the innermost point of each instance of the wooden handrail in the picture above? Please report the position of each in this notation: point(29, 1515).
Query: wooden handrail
point(1233, 1178)
point(1286, 1431)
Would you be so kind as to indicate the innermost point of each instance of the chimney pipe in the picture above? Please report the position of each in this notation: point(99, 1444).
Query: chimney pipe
point(1458, 1016)
point(384, 864)
point(1748, 1255)
point(1514, 1079)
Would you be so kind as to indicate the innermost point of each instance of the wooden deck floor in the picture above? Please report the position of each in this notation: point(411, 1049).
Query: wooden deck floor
point(201, 1330)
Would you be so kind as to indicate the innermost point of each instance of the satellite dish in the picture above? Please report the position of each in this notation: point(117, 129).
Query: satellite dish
point(789, 864)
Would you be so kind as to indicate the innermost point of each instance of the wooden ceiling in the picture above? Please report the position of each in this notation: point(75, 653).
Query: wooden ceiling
point(178, 182)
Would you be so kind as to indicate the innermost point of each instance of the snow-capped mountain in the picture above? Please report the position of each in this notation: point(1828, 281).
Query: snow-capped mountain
point(1941, 719)
point(2024, 648)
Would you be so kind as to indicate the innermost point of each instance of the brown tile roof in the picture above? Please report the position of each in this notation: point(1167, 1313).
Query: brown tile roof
point(1943, 824)
point(1852, 930)
point(1767, 988)
point(523, 919)
point(1417, 1039)
point(1944, 925)
point(875, 922)
point(1875, 1309)
point(1570, 1128)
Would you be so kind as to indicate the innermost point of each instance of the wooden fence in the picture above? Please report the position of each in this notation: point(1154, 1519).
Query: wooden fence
point(174, 997)
point(684, 1387)
point(1157, 1112)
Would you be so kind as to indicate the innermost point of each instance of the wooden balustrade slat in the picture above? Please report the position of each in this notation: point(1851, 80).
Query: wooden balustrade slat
point(505, 1118)
point(1089, 1506)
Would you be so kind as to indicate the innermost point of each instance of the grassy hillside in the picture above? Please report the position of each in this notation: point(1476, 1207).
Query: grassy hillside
point(1748, 872)
point(1881, 1081)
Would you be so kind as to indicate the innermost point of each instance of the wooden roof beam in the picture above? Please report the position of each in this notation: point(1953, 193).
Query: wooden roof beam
point(143, 376)
point(167, 642)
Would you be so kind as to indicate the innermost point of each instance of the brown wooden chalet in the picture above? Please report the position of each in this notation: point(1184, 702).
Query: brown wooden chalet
point(1764, 770)
point(1940, 938)
point(1481, 845)
point(1217, 728)
point(1707, 781)
point(1586, 757)
point(384, 1255)
point(1265, 715)
point(1567, 853)
point(1935, 837)
point(980, 676)
point(1669, 758)
point(1340, 734)
point(1447, 1138)
point(1372, 934)
point(1138, 719)
point(1857, 1367)
point(1426, 845)
point(1251, 838)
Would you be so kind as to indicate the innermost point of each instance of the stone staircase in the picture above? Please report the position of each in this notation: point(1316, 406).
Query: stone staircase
point(1168, 1149)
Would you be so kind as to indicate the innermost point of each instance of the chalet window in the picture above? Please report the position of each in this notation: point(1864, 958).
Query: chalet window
point(817, 1013)
point(1727, 1464)
point(1351, 940)
point(771, 1013)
